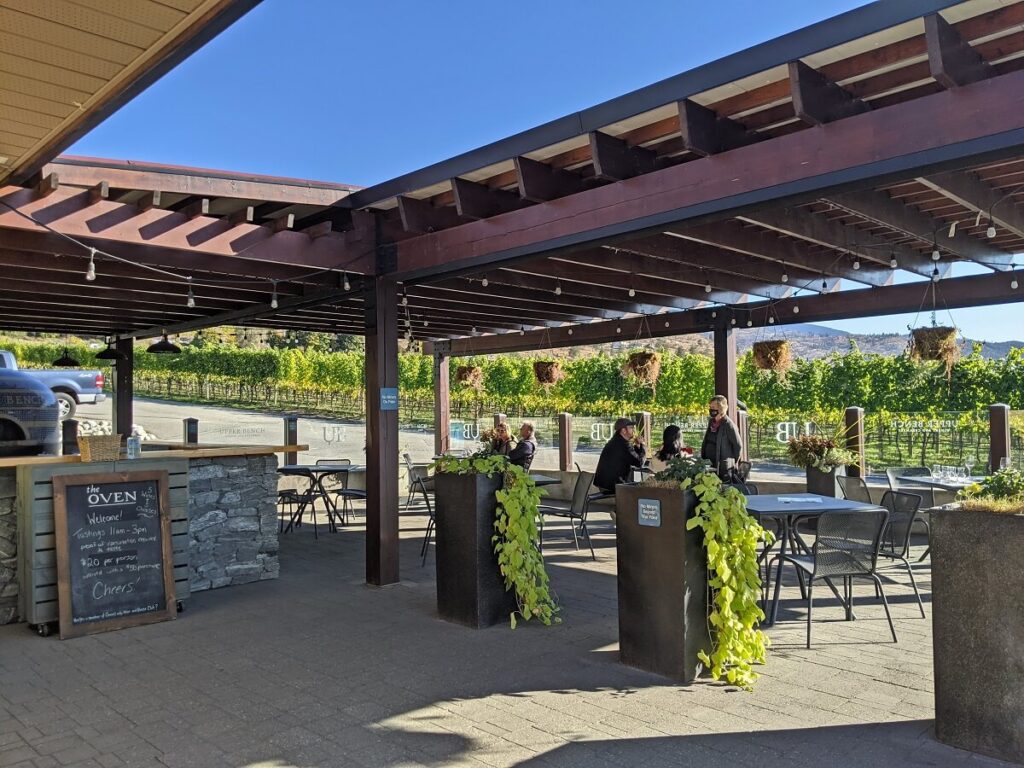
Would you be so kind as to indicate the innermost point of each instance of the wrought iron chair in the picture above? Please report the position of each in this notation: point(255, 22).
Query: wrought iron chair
point(896, 538)
point(846, 547)
point(926, 492)
point(575, 511)
point(854, 489)
point(420, 480)
point(332, 484)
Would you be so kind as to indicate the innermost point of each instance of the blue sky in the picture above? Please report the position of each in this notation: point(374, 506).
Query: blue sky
point(361, 92)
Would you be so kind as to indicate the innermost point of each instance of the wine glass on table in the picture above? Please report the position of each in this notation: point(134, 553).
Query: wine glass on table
point(968, 464)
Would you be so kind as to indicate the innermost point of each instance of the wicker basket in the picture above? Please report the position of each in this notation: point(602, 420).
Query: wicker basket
point(99, 447)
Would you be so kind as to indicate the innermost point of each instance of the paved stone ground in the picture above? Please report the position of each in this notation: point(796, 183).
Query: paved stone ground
point(317, 669)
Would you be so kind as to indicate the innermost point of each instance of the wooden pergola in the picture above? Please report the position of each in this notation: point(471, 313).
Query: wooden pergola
point(848, 169)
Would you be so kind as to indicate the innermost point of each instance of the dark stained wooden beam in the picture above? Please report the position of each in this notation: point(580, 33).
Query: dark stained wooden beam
point(705, 132)
point(955, 293)
point(873, 251)
point(244, 215)
point(951, 59)
point(150, 199)
point(340, 219)
point(421, 216)
point(478, 201)
point(266, 210)
point(879, 207)
point(320, 229)
point(539, 181)
point(939, 129)
point(817, 100)
point(47, 184)
point(99, 191)
point(282, 223)
point(615, 160)
point(545, 281)
point(505, 286)
point(970, 191)
point(483, 302)
point(196, 208)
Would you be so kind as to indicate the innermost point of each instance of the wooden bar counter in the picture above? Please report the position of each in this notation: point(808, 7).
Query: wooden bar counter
point(223, 508)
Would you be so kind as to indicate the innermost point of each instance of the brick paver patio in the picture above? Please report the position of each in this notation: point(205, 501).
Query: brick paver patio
point(317, 669)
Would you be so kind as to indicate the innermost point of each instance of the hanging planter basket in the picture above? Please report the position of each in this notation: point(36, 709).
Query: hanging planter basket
point(774, 355)
point(645, 367)
point(548, 372)
point(470, 375)
point(935, 343)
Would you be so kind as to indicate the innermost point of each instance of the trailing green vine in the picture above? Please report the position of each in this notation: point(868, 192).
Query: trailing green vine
point(731, 537)
point(517, 537)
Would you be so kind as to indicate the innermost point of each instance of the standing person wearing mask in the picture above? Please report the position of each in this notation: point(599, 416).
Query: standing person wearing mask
point(722, 440)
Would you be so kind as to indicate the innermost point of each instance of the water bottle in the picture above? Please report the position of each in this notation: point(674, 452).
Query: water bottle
point(134, 445)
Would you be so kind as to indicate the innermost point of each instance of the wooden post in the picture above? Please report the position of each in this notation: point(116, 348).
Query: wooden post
point(381, 303)
point(998, 434)
point(69, 437)
point(643, 426)
point(291, 437)
point(190, 431)
point(124, 371)
point(565, 442)
point(725, 366)
point(499, 417)
point(442, 401)
point(744, 431)
point(855, 441)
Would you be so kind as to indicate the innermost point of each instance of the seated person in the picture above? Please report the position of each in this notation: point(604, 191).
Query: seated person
point(524, 452)
point(619, 456)
point(502, 442)
point(672, 446)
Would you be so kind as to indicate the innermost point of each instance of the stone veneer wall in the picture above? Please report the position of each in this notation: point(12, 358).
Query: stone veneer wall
point(232, 521)
point(8, 546)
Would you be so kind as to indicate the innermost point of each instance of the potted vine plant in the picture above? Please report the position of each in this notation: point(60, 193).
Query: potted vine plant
point(645, 367)
point(822, 457)
point(978, 617)
point(688, 576)
point(548, 372)
point(773, 355)
point(935, 342)
point(489, 563)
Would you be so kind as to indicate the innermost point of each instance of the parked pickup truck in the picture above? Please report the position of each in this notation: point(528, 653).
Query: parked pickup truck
point(71, 386)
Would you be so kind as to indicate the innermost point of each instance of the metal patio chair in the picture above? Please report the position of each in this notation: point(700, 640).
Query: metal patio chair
point(896, 538)
point(332, 484)
point(575, 511)
point(926, 492)
point(854, 489)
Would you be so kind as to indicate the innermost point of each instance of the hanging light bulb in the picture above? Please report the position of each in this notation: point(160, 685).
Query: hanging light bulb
point(632, 292)
point(90, 271)
point(796, 309)
point(733, 321)
point(426, 323)
point(856, 263)
point(522, 330)
point(344, 282)
point(570, 331)
point(405, 299)
point(935, 254)
point(618, 329)
point(1013, 283)
point(893, 263)
point(935, 275)
point(771, 319)
point(991, 231)
point(473, 329)
point(714, 315)
point(707, 287)
point(749, 323)
point(667, 323)
point(952, 230)
point(485, 282)
point(273, 298)
point(558, 288)
point(785, 277)
point(190, 301)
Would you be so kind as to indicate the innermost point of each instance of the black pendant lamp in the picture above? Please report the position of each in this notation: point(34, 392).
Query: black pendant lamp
point(164, 347)
point(66, 360)
point(110, 353)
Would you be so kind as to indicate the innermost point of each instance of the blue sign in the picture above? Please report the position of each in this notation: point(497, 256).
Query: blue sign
point(649, 512)
point(389, 398)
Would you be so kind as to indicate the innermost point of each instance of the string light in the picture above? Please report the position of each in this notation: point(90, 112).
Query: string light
point(273, 299)
point(771, 319)
point(714, 315)
point(785, 277)
point(570, 331)
point(796, 309)
point(522, 330)
point(405, 299)
point(191, 300)
point(632, 292)
point(485, 282)
point(733, 321)
point(749, 323)
point(473, 329)
point(935, 275)
point(893, 263)
point(618, 329)
point(1013, 283)
point(936, 255)
point(426, 323)
point(856, 263)
point(667, 323)
point(344, 281)
point(90, 271)
point(707, 287)
point(991, 231)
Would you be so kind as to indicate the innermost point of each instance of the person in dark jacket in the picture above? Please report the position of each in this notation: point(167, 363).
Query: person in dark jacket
point(502, 442)
point(721, 440)
point(526, 449)
point(618, 457)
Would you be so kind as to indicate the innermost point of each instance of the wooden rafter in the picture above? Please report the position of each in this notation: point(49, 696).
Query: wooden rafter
point(972, 193)
point(817, 100)
point(951, 59)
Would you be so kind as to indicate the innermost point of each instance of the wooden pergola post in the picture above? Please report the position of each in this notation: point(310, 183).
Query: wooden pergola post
point(565, 462)
point(725, 366)
point(124, 374)
point(854, 418)
point(442, 400)
point(999, 434)
point(381, 303)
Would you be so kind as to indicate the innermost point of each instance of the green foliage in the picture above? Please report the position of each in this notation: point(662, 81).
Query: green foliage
point(517, 537)
point(683, 468)
point(731, 537)
point(818, 452)
point(1004, 485)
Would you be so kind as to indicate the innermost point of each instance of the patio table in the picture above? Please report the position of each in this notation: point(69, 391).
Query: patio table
point(316, 474)
point(945, 483)
point(788, 508)
point(541, 480)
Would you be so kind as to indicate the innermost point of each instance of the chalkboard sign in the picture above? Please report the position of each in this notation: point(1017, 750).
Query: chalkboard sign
point(114, 563)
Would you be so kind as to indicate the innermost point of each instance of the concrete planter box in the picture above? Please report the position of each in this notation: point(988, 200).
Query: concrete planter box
point(470, 587)
point(662, 581)
point(978, 627)
point(824, 483)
